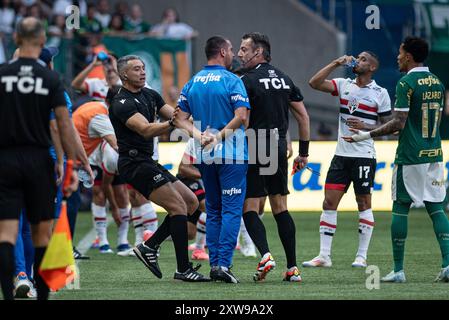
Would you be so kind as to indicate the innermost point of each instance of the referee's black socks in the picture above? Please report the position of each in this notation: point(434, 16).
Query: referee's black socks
point(287, 234)
point(178, 231)
point(194, 217)
point(160, 235)
point(7, 264)
point(41, 286)
point(256, 231)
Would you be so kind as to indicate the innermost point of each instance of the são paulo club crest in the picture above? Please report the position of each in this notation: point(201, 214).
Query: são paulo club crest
point(353, 104)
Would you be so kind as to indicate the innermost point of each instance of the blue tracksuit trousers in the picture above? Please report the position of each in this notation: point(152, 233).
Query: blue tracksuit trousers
point(225, 186)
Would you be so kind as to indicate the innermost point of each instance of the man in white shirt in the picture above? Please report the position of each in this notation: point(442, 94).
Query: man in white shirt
point(362, 103)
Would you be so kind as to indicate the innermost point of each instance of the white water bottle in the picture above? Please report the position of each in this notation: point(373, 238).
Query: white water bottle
point(85, 178)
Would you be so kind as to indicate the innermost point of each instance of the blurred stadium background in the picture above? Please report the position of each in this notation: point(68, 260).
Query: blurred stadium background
point(305, 35)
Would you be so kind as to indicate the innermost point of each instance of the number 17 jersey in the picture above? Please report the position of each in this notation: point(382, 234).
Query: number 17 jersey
point(421, 94)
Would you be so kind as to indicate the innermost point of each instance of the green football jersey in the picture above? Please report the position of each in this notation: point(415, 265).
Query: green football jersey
point(420, 93)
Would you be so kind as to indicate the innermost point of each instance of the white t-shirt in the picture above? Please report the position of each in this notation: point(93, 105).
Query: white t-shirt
point(106, 158)
point(104, 19)
point(60, 7)
point(7, 16)
point(109, 159)
point(100, 126)
point(177, 30)
point(366, 104)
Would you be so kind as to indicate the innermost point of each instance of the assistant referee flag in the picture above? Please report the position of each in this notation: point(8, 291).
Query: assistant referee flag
point(58, 265)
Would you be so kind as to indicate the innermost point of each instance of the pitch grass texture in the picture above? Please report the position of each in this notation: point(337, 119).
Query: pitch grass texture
point(114, 277)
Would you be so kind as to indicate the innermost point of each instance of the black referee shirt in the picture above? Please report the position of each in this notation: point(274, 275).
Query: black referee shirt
point(28, 93)
point(270, 92)
point(126, 104)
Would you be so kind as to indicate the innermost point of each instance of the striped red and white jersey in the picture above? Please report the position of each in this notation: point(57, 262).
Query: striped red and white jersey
point(366, 104)
point(97, 88)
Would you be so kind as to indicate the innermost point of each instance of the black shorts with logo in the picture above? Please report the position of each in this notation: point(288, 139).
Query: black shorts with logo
point(259, 185)
point(27, 181)
point(195, 186)
point(344, 170)
point(143, 173)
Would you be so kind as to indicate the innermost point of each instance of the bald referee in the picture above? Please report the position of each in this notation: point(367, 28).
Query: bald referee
point(29, 91)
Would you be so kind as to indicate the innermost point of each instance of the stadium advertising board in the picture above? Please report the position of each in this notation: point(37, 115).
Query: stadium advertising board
point(307, 188)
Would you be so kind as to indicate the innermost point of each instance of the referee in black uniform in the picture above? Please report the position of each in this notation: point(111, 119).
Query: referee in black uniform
point(132, 113)
point(271, 93)
point(28, 92)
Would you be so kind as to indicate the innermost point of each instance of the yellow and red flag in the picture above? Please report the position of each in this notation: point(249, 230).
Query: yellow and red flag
point(58, 265)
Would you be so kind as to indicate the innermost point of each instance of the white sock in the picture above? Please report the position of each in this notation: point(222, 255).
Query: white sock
point(201, 231)
point(123, 229)
point(136, 218)
point(245, 235)
point(366, 226)
point(149, 217)
point(328, 225)
point(100, 223)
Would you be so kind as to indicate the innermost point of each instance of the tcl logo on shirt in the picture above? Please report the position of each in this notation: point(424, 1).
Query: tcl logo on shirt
point(276, 83)
point(24, 85)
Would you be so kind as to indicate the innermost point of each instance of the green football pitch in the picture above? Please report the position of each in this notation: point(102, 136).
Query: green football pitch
point(108, 276)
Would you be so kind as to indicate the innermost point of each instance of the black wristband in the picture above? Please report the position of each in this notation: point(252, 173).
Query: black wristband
point(170, 122)
point(304, 148)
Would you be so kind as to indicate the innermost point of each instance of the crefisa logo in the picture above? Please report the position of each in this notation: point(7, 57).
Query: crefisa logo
point(232, 191)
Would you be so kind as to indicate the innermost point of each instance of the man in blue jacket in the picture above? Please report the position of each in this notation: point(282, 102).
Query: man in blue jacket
point(218, 102)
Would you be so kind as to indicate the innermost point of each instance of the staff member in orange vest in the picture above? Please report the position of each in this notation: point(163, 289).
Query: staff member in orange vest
point(93, 125)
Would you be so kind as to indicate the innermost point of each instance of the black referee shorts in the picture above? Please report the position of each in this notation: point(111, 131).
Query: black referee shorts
point(258, 185)
point(27, 181)
point(143, 173)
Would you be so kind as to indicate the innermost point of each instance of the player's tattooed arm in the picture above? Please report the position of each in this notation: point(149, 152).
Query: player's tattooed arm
point(395, 124)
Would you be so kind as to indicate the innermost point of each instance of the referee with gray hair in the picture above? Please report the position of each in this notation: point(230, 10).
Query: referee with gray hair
point(132, 113)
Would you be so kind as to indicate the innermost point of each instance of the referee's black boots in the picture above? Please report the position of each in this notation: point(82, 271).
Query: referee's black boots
point(191, 275)
point(149, 258)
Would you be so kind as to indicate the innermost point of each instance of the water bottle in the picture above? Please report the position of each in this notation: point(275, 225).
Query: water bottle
point(85, 178)
point(102, 56)
point(351, 64)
